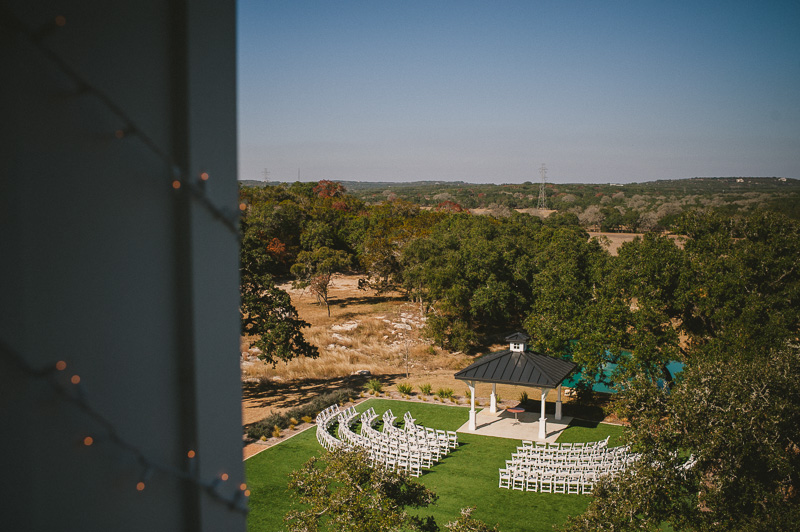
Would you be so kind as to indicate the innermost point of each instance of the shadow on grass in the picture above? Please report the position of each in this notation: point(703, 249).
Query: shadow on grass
point(584, 423)
point(364, 300)
point(596, 410)
point(295, 393)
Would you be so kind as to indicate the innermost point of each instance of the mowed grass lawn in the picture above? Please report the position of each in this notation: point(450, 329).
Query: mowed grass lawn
point(468, 476)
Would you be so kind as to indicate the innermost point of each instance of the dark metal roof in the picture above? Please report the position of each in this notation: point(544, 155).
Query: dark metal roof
point(521, 368)
point(517, 337)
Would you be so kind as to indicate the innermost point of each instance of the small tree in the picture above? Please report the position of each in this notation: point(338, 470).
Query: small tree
point(314, 269)
point(268, 313)
point(467, 523)
point(340, 491)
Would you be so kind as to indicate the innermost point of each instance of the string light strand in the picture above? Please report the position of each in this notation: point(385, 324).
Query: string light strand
point(149, 466)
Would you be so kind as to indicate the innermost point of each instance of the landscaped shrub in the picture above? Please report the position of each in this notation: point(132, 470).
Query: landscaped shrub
point(405, 388)
point(523, 397)
point(444, 393)
point(425, 389)
point(374, 386)
point(306, 412)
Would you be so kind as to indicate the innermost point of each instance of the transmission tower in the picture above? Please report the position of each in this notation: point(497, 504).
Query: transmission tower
point(542, 194)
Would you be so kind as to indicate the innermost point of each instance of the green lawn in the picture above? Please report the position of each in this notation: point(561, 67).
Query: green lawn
point(467, 476)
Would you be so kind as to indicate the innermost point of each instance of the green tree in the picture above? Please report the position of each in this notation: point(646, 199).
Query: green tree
point(719, 448)
point(645, 283)
point(341, 492)
point(268, 314)
point(314, 269)
point(717, 452)
point(266, 310)
point(745, 291)
point(381, 236)
point(463, 273)
point(566, 273)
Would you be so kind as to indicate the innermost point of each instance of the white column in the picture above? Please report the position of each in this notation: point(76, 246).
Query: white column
point(472, 424)
point(493, 399)
point(558, 404)
point(543, 419)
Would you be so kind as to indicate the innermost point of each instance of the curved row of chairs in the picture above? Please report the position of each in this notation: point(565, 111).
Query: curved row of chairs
point(324, 421)
point(563, 468)
point(411, 449)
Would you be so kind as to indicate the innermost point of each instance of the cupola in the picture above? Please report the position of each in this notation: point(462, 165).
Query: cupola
point(518, 341)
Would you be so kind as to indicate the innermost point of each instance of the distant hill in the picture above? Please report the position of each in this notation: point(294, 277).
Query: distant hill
point(693, 182)
point(606, 206)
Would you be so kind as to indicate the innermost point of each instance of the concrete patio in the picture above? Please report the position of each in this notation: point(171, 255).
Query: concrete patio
point(526, 427)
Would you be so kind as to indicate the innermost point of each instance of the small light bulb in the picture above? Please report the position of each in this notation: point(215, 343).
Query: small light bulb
point(243, 486)
point(191, 454)
point(224, 476)
point(88, 440)
point(75, 379)
point(246, 493)
point(61, 365)
point(176, 184)
point(242, 206)
point(61, 20)
point(140, 486)
point(204, 176)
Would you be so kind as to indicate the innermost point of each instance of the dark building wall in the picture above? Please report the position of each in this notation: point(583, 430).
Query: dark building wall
point(108, 267)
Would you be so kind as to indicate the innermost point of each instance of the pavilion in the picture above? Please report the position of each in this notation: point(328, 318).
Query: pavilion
point(521, 367)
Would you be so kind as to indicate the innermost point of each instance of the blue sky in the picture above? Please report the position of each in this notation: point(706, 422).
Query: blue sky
point(485, 92)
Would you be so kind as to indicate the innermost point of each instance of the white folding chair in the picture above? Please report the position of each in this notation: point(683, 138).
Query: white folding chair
point(452, 439)
point(587, 482)
point(414, 466)
point(560, 483)
point(574, 483)
point(518, 478)
point(505, 479)
point(532, 481)
point(546, 482)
